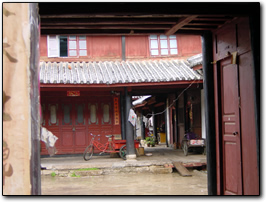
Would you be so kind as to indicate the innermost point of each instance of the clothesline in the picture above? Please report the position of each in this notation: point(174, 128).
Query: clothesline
point(155, 114)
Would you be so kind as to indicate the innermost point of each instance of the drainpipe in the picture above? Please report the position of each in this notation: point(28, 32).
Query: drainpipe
point(208, 85)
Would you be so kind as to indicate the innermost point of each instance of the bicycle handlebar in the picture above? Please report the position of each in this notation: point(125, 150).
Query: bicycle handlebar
point(94, 135)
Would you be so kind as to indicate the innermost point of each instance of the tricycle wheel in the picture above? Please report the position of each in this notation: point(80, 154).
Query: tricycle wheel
point(123, 152)
point(185, 148)
point(88, 152)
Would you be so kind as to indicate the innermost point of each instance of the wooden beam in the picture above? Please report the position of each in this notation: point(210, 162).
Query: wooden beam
point(198, 28)
point(181, 169)
point(180, 24)
point(97, 21)
point(119, 15)
point(151, 85)
point(133, 27)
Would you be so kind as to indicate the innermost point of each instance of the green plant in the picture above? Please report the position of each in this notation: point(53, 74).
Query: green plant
point(150, 141)
point(53, 174)
point(74, 175)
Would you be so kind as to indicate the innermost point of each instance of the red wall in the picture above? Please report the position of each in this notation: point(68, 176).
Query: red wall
point(137, 47)
point(188, 45)
point(105, 47)
point(43, 45)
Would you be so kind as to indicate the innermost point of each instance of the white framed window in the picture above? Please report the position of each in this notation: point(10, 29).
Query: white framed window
point(163, 45)
point(66, 46)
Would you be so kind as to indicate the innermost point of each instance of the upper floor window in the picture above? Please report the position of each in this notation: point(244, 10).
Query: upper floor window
point(66, 46)
point(163, 45)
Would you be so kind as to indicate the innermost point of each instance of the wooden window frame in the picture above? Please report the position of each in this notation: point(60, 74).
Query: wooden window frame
point(69, 39)
point(159, 48)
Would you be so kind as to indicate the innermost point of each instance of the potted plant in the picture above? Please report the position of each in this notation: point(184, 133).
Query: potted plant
point(150, 141)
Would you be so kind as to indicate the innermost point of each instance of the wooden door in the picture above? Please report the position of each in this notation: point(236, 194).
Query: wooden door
point(67, 126)
point(72, 119)
point(79, 130)
point(100, 119)
point(73, 126)
point(231, 144)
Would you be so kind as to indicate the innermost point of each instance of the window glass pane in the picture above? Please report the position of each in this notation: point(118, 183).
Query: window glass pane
point(83, 53)
point(53, 114)
point(164, 51)
point(93, 113)
point(72, 44)
point(82, 45)
point(63, 46)
point(172, 37)
point(163, 37)
point(72, 37)
point(66, 114)
point(72, 53)
point(163, 43)
point(106, 113)
point(82, 37)
point(173, 44)
point(173, 51)
point(154, 52)
point(153, 36)
point(154, 44)
point(80, 114)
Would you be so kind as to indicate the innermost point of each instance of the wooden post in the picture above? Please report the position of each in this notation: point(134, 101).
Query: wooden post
point(176, 122)
point(154, 124)
point(166, 115)
point(142, 126)
point(35, 161)
point(122, 107)
point(209, 112)
point(128, 127)
point(123, 48)
point(254, 22)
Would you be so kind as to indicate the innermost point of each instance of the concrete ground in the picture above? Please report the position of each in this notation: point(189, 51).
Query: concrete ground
point(160, 156)
point(103, 175)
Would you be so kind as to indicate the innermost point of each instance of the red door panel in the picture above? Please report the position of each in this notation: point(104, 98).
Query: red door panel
point(67, 139)
point(231, 130)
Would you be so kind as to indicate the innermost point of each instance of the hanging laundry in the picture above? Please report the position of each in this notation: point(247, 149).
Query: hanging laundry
point(49, 139)
point(145, 121)
point(132, 117)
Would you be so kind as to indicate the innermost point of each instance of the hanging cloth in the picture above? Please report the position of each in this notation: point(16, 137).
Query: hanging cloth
point(132, 117)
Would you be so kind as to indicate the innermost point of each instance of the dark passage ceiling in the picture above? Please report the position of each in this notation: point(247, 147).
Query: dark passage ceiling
point(138, 18)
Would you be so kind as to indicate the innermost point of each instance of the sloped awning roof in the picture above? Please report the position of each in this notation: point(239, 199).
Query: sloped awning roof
point(144, 71)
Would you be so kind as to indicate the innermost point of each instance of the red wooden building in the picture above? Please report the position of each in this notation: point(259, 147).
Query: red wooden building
point(84, 79)
point(231, 67)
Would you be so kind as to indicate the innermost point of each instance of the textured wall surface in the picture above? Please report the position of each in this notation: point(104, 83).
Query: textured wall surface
point(16, 99)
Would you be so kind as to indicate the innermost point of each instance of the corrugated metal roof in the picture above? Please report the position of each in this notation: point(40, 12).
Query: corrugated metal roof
point(117, 72)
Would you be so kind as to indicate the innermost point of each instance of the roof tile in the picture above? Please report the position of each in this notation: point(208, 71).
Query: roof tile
point(145, 71)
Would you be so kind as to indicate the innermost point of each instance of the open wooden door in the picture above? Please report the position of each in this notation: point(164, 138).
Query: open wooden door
point(231, 147)
point(236, 146)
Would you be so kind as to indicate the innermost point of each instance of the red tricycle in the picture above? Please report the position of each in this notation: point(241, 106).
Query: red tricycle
point(191, 142)
point(111, 146)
